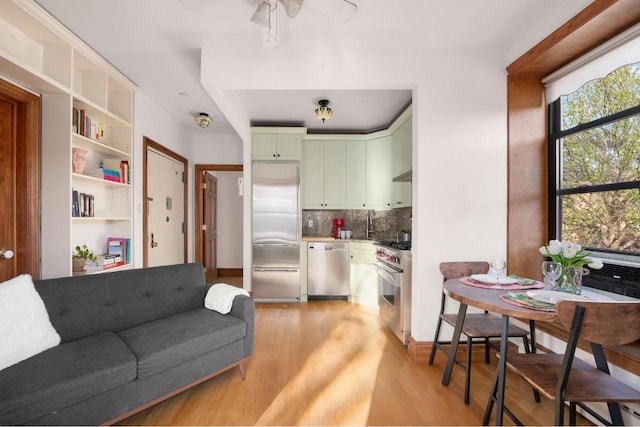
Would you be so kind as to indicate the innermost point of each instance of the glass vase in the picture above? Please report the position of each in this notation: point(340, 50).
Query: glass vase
point(570, 280)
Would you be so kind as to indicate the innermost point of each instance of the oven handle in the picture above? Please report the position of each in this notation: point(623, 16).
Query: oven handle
point(388, 274)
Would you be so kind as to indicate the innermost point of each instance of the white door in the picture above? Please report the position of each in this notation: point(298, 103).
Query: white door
point(165, 197)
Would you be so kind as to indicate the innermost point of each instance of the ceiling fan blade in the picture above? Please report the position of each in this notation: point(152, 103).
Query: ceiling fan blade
point(196, 4)
point(292, 7)
point(261, 15)
point(342, 10)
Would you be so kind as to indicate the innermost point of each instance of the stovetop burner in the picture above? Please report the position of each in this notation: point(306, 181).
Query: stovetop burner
point(404, 246)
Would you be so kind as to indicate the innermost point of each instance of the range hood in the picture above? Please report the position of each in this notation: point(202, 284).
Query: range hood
point(404, 177)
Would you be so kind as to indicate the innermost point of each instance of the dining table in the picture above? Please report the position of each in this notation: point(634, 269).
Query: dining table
point(489, 298)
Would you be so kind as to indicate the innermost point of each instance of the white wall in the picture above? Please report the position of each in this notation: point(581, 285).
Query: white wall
point(460, 174)
point(155, 123)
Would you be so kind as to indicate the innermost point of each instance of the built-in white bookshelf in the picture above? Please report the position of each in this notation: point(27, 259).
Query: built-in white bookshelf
point(41, 55)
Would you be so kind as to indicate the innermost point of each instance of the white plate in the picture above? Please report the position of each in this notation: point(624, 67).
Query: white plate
point(555, 296)
point(491, 279)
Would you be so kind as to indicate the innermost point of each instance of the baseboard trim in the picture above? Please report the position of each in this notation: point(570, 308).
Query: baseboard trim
point(419, 351)
point(229, 272)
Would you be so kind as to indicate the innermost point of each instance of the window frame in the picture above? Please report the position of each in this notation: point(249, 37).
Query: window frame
point(554, 167)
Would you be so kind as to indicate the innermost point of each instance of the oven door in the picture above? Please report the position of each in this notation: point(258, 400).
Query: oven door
point(390, 297)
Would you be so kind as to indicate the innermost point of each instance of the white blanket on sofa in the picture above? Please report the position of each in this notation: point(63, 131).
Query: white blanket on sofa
point(220, 297)
point(25, 328)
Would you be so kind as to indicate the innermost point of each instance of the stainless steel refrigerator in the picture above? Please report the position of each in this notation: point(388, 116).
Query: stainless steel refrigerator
point(276, 231)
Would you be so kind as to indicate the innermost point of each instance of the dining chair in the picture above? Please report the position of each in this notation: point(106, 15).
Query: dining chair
point(566, 378)
point(483, 327)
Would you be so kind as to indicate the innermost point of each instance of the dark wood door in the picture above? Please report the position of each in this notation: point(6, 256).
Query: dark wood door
point(210, 195)
point(19, 182)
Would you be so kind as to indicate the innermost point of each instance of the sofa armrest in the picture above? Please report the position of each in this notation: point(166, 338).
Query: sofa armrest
point(244, 308)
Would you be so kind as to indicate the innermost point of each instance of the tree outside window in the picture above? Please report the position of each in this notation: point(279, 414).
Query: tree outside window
point(595, 163)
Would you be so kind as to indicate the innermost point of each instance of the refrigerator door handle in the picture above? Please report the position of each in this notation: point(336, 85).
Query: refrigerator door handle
point(298, 233)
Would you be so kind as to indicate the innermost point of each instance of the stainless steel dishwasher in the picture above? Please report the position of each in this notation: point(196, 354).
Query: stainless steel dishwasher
point(328, 270)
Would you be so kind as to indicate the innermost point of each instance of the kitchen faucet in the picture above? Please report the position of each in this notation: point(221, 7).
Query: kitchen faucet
point(369, 227)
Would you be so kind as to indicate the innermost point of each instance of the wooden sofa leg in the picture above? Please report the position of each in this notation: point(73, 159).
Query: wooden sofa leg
point(242, 371)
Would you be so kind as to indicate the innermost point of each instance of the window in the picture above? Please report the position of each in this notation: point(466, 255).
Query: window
point(594, 164)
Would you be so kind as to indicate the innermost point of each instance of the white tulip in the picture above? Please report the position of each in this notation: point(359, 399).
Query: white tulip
point(554, 249)
point(569, 252)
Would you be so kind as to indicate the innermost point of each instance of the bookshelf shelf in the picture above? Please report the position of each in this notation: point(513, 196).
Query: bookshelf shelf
point(99, 219)
point(98, 270)
point(39, 53)
point(91, 179)
point(88, 144)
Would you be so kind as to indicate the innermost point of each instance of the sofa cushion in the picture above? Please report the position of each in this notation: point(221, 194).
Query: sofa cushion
point(25, 329)
point(169, 342)
point(85, 305)
point(64, 375)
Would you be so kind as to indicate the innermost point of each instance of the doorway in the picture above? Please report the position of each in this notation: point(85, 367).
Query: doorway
point(165, 196)
point(217, 195)
point(19, 181)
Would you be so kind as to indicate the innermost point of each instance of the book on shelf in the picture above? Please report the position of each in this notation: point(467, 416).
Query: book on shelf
point(82, 204)
point(104, 267)
point(102, 173)
point(105, 260)
point(118, 165)
point(85, 125)
point(121, 246)
point(75, 203)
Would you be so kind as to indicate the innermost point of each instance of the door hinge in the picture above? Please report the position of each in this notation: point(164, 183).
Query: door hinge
point(183, 228)
point(203, 227)
point(203, 186)
point(183, 177)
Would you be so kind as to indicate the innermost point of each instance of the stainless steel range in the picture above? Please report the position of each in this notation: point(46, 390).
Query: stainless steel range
point(393, 262)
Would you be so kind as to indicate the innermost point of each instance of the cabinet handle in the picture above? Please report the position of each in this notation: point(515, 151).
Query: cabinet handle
point(274, 154)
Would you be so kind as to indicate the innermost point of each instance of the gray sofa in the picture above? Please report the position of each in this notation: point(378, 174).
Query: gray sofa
point(129, 340)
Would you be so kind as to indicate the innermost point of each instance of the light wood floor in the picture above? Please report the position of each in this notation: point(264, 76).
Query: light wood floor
point(335, 363)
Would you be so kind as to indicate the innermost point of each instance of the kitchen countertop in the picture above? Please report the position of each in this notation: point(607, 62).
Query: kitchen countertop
point(333, 239)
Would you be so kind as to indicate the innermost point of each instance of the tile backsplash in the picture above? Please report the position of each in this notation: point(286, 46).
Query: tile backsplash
point(386, 223)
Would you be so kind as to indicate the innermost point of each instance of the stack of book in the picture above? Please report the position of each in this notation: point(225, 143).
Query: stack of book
point(120, 246)
point(105, 262)
point(122, 166)
point(102, 173)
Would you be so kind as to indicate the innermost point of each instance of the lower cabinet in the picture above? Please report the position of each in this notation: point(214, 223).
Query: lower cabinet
point(364, 278)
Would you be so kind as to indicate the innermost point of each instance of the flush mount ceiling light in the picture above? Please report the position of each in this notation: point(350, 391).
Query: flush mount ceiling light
point(203, 120)
point(323, 112)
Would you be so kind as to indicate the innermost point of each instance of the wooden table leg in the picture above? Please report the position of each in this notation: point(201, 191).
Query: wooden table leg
point(455, 339)
point(502, 369)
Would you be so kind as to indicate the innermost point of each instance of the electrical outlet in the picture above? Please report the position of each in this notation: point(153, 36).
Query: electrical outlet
point(310, 223)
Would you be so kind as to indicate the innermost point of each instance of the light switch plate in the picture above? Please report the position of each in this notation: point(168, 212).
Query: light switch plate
point(310, 223)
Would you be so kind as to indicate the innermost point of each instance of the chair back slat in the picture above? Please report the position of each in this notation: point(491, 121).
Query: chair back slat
point(455, 270)
point(606, 322)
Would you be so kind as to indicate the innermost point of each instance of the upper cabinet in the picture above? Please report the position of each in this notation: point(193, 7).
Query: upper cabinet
point(87, 130)
point(369, 173)
point(345, 171)
point(277, 143)
point(378, 173)
point(401, 164)
point(323, 174)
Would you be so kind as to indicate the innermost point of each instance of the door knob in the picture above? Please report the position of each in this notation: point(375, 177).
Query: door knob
point(6, 253)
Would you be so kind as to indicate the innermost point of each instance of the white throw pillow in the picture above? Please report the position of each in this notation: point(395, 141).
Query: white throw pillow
point(25, 328)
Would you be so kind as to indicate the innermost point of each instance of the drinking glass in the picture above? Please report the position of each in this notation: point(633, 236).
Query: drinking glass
point(551, 271)
point(499, 266)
